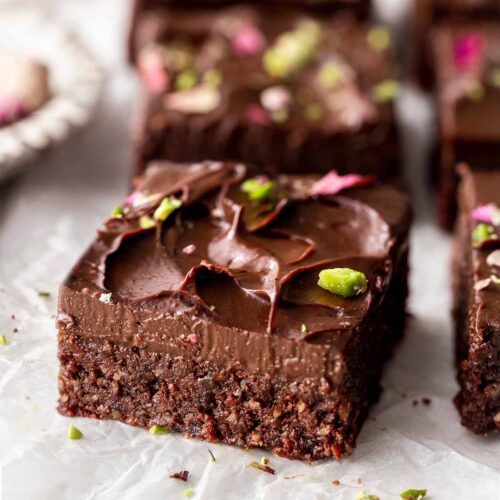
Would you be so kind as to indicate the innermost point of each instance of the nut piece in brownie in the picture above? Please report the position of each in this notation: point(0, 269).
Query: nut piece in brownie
point(232, 307)
point(477, 299)
point(467, 62)
point(277, 88)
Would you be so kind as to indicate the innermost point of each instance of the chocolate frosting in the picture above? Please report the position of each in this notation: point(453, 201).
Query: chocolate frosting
point(234, 282)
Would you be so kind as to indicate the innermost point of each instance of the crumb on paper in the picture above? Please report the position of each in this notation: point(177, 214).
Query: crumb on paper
point(262, 467)
point(181, 475)
point(336, 482)
point(426, 401)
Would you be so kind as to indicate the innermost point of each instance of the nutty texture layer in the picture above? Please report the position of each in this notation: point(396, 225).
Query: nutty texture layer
point(477, 302)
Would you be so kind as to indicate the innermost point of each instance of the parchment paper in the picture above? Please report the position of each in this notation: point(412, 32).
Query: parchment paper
point(48, 216)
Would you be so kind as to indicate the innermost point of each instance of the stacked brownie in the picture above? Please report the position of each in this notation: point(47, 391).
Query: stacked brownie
point(238, 308)
point(477, 299)
point(288, 89)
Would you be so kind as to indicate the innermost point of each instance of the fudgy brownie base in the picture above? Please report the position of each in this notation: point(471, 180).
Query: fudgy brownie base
point(299, 419)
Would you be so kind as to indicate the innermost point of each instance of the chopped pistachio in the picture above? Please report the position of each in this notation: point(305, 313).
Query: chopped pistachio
point(303, 328)
point(186, 80)
point(106, 298)
point(413, 494)
point(74, 433)
point(166, 207)
point(386, 91)
point(481, 233)
point(146, 222)
point(379, 38)
point(342, 281)
point(44, 295)
point(212, 456)
point(188, 493)
point(313, 112)
point(258, 190)
point(3, 340)
point(363, 495)
point(158, 430)
point(117, 212)
point(476, 93)
point(495, 279)
point(262, 467)
point(330, 74)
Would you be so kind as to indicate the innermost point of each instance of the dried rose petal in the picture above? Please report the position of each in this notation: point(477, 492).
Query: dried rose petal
point(468, 50)
point(275, 98)
point(333, 183)
point(11, 108)
point(199, 100)
point(189, 249)
point(258, 114)
point(248, 41)
point(153, 72)
point(489, 214)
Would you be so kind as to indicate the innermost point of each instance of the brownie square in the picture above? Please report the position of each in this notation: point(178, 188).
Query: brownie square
point(467, 65)
point(198, 307)
point(275, 87)
point(430, 14)
point(477, 300)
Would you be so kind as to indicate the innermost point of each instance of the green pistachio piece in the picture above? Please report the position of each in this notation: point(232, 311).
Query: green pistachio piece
point(3, 340)
point(313, 112)
point(186, 80)
point(166, 207)
point(412, 494)
point(330, 74)
point(146, 222)
point(366, 496)
point(188, 493)
point(258, 190)
point(74, 433)
point(379, 38)
point(158, 430)
point(343, 281)
point(386, 91)
point(481, 233)
point(117, 212)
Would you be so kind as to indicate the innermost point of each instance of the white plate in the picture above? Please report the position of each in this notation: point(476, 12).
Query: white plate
point(75, 82)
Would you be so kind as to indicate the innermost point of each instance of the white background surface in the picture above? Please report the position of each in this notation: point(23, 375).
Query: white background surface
point(49, 215)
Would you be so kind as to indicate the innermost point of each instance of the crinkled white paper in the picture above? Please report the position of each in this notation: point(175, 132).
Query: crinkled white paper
point(49, 216)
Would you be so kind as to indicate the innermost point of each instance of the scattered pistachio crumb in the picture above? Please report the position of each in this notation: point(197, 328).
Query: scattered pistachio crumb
point(188, 493)
point(158, 430)
point(366, 496)
point(212, 456)
point(117, 212)
point(343, 281)
point(303, 328)
point(44, 295)
point(166, 207)
point(413, 494)
point(3, 340)
point(146, 222)
point(74, 433)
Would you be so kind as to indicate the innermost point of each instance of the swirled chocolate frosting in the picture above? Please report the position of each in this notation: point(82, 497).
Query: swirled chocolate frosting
point(231, 280)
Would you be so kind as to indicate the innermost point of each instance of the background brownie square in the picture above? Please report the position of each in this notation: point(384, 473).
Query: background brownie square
point(467, 66)
point(198, 308)
point(477, 300)
point(278, 88)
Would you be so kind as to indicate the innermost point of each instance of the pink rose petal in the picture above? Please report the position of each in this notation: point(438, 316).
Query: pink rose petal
point(333, 183)
point(153, 72)
point(468, 50)
point(193, 338)
point(248, 41)
point(489, 214)
point(189, 249)
point(258, 114)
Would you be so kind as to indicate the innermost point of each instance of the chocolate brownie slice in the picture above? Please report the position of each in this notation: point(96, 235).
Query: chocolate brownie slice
point(232, 307)
point(477, 300)
point(279, 88)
